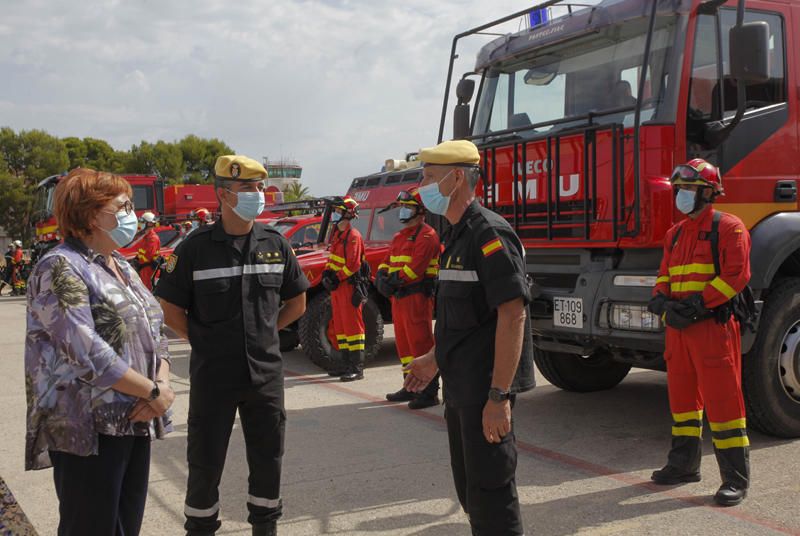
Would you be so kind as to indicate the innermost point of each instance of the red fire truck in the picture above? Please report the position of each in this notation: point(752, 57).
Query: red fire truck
point(580, 119)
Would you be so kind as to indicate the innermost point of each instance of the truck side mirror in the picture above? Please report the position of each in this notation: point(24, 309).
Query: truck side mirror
point(749, 52)
point(461, 114)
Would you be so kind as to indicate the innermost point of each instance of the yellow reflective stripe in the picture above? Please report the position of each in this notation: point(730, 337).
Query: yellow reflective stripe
point(394, 269)
point(662, 279)
point(382, 266)
point(333, 267)
point(695, 268)
point(729, 425)
point(344, 346)
point(690, 431)
point(688, 286)
point(400, 258)
point(688, 416)
point(409, 272)
point(732, 442)
point(359, 337)
point(346, 271)
point(356, 346)
point(724, 288)
point(491, 246)
point(336, 258)
point(407, 359)
point(432, 271)
point(434, 262)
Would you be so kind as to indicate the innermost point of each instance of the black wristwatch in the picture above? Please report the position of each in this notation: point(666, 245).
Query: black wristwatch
point(498, 395)
point(155, 393)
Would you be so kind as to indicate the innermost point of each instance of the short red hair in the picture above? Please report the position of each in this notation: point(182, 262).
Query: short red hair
point(79, 197)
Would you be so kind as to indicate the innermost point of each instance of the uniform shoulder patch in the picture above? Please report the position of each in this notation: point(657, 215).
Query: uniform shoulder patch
point(492, 246)
point(172, 261)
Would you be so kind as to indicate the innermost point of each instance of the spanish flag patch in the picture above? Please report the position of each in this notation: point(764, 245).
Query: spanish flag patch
point(492, 246)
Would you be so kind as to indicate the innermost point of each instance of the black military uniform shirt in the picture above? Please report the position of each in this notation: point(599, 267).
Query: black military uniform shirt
point(482, 267)
point(232, 288)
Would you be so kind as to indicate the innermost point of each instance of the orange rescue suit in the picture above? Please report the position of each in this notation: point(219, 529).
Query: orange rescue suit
point(149, 251)
point(347, 324)
point(414, 257)
point(704, 360)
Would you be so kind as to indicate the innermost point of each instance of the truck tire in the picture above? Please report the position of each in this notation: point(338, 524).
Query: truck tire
point(580, 374)
point(313, 332)
point(771, 370)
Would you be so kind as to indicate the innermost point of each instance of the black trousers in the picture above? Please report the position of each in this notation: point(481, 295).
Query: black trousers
point(103, 495)
point(484, 473)
point(211, 416)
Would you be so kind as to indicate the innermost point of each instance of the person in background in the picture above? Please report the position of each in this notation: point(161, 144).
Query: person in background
point(17, 261)
point(96, 362)
point(407, 276)
point(8, 267)
point(149, 250)
point(341, 279)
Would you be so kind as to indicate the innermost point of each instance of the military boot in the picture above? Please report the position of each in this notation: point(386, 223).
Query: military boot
point(400, 396)
point(734, 468)
point(266, 529)
point(355, 369)
point(428, 397)
point(683, 462)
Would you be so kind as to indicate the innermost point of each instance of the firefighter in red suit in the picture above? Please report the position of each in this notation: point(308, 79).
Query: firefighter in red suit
point(693, 295)
point(341, 277)
point(149, 250)
point(17, 260)
point(407, 276)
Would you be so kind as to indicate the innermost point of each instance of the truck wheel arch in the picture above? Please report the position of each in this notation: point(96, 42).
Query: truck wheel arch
point(775, 249)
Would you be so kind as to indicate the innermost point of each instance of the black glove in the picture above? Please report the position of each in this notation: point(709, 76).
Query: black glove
point(675, 317)
point(382, 284)
point(694, 307)
point(657, 304)
point(329, 280)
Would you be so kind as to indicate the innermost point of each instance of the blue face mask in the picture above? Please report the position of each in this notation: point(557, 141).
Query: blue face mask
point(125, 231)
point(405, 214)
point(249, 205)
point(336, 217)
point(433, 199)
point(685, 201)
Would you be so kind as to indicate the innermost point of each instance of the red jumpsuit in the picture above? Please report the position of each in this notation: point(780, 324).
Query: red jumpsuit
point(148, 253)
point(414, 256)
point(346, 253)
point(704, 360)
point(17, 282)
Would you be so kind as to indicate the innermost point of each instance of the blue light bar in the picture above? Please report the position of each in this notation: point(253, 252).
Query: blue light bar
point(539, 16)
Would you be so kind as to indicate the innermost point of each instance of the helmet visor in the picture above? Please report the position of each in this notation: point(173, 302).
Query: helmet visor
point(684, 173)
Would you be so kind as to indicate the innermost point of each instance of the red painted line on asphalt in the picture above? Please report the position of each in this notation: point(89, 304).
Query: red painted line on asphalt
point(555, 456)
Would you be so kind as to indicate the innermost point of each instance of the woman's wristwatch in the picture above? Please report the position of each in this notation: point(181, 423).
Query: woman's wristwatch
point(155, 392)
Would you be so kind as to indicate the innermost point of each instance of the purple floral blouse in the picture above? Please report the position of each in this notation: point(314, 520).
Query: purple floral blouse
point(85, 329)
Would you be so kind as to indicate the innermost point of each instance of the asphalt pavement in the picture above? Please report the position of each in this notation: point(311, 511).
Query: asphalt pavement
point(357, 465)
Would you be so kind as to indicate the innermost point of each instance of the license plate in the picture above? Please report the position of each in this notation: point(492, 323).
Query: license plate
point(568, 312)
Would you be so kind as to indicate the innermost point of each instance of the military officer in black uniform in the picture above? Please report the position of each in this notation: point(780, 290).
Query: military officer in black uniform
point(229, 288)
point(483, 341)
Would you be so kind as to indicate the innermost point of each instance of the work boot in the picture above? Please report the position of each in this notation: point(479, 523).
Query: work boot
point(266, 529)
point(401, 396)
point(355, 369)
point(669, 476)
point(423, 401)
point(729, 495)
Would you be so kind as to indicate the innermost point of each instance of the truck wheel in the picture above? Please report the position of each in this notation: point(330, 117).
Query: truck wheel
point(580, 374)
point(313, 332)
point(771, 370)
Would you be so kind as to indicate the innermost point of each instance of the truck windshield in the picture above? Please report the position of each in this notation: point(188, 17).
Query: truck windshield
point(43, 203)
point(593, 73)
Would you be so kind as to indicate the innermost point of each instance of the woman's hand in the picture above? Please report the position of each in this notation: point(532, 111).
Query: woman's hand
point(165, 399)
point(142, 412)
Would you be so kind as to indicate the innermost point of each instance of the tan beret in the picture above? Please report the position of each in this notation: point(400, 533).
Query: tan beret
point(240, 168)
point(449, 153)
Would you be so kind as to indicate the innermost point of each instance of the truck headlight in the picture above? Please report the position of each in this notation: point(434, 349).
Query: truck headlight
point(634, 317)
point(648, 281)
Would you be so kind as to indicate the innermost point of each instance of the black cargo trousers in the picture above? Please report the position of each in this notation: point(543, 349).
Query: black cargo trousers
point(484, 473)
point(211, 417)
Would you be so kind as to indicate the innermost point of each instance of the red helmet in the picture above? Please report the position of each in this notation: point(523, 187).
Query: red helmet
point(697, 172)
point(201, 214)
point(410, 197)
point(346, 204)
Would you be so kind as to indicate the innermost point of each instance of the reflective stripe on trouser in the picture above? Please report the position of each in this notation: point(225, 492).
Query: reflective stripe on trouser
point(346, 320)
point(704, 373)
point(484, 473)
point(413, 326)
point(211, 416)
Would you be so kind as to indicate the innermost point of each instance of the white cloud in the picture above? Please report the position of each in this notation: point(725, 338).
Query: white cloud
point(339, 85)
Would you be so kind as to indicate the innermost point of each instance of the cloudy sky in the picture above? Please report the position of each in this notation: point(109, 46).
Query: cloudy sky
point(339, 85)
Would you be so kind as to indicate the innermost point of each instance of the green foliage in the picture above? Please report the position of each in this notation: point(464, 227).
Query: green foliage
point(295, 192)
point(29, 156)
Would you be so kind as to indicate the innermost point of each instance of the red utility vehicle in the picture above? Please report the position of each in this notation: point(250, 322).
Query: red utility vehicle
point(580, 120)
